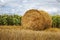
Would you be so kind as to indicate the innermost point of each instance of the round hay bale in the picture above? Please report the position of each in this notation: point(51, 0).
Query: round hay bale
point(47, 19)
point(36, 20)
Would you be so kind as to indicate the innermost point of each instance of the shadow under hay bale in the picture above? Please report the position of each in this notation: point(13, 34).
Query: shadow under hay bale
point(36, 20)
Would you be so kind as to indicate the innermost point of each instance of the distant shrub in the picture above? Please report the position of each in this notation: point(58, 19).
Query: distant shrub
point(56, 21)
point(10, 20)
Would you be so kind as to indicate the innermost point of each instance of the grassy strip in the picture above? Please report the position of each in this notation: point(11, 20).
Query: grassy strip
point(10, 27)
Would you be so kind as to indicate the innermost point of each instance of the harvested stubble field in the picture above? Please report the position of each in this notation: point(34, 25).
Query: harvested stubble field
point(16, 33)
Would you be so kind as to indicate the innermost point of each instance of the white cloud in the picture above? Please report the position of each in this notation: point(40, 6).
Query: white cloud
point(20, 6)
point(12, 10)
point(2, 1)
point(51, 9)
point(25, 1)
point(13, 4)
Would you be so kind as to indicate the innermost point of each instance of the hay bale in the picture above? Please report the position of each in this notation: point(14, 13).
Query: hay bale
point(47, 19)
point(36, 20)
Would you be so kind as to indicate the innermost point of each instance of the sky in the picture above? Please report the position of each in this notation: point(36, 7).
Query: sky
point(21, 6)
